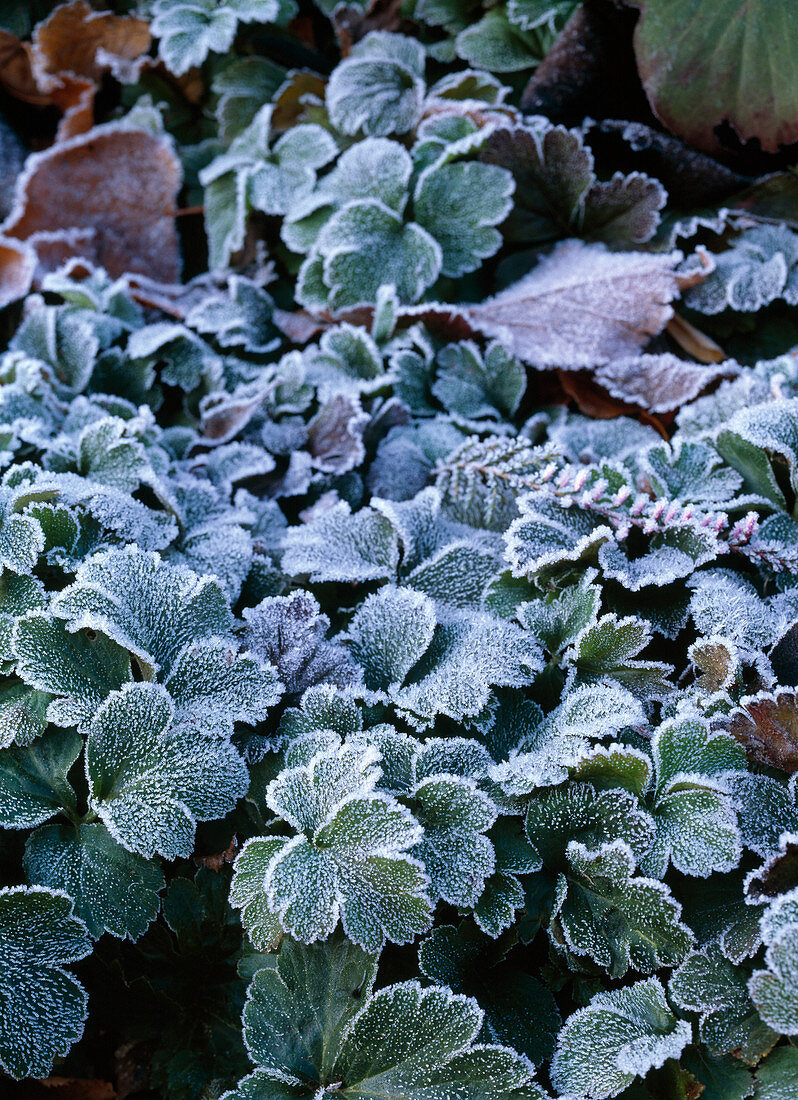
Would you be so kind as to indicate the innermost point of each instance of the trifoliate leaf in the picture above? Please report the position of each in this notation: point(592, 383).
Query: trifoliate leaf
point(379, 87)
point(621, 1035)
point(150, 608)
point(474, 385)
point(460, 204)
point(364, 246)
point(150, 782)
point(403, 1038)
point(709, 984)
point(389, 634)
point(114, 890)
point(33, 780)
point(81, 668)
point(695, 818)
point(43, 1006)
point(605, 651)
point(348, 859)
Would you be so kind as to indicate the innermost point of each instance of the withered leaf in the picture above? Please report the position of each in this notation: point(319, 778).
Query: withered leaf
point(109, 196)
point(580, 307)
point(78, 40)
point(660, 383)
point(767, 725)
point(17, 264)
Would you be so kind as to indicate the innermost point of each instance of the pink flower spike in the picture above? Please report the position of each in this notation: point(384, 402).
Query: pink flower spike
point(621, 496)
point(548, 472)
point(580, 479)
point(641, 500)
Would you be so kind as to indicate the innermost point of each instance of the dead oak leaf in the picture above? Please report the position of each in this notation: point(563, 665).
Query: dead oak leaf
point(582, 306)
point(660, 383)
point(108, 196)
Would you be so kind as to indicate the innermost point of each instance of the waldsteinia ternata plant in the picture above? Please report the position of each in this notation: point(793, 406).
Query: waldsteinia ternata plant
point(373, 724)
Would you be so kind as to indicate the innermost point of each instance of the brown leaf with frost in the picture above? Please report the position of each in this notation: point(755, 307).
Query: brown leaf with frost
point(70, 52)
point(660, 383)
point(766, 724)
point(582, 306)
point(108, 196)
point(17, 264)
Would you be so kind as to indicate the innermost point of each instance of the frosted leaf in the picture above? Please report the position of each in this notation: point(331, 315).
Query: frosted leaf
point(192, 29)
point(605, 651)
point(379, 87)
point(709, 984)
point(21, 536)
point(114, 890)
point(614, 765)
point(689, 470)
point(549, 318)
point(547, 534)
point(759, 267)
point(402, 1038)
point(463, 662)
point(777, 1078)
point(765, 809)
point(766, 724)
point(242, 317)
point(323, 707)
point(621, 1035)
point(696, 820)
point(150, 782)
point(390, 632)
point(349, 859)
point(361, 248)
point(460, 204)
point(212, 686)
point(753, 438)
point(578, 813)
point(186, 359)
point(65, 342)
point(455, 576)
point(774, 990)
point(33, 780)
point(456, 855)
point(43, 1006)
point(659, 383)
point(288, 632)
point(672, 555)
point(81, 668)
point(335, 435)
point(474, 385)
point(558, 620)
point(23, 714)
point(727, 604)
point(620, 921)
point(340, 546)
point(150, 608)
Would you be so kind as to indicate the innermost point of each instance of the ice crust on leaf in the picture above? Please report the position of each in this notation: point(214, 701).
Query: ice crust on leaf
point(149, 781)
point(44, 1007)
point(633, 1029)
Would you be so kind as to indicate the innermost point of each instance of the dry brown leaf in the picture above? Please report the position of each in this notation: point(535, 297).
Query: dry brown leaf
point(694, 341)
point(217, 861)
point(767, 725)
point(109, 196)
point(580, 307)
point(17, 265)
point(660, 383)
point(76, 39)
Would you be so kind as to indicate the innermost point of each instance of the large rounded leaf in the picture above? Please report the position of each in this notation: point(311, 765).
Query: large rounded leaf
point(703, 64)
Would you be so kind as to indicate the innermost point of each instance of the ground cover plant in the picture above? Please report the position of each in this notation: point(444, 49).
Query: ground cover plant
point(398, 550)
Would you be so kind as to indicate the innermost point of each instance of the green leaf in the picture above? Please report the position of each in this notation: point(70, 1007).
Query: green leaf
point(777, 1077)
point(150, 782)
point(364, 246)
point(459, 205)
point(42, 1007)
point(23, 714)
point(148, 607)
point(81, 668)
point(349, 857)
point(114, 890)
point(621, 1035)
point(191, 29)
point(340, 546)
point(690, 62)
point(605, 651)
point(390, 632)
point(774, 990)
point(33, 780)
point(379, 87)
point(474, 385)
point(709, 984)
